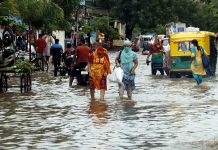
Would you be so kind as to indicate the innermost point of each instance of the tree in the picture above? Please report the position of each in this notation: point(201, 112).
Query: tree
point(71, 10)
point(149, 14)
point(34, 11)
point(213, 15)
point(101, 24)
point(69, 7)
point(8, 7)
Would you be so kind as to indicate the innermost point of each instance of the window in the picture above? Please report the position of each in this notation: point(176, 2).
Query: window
point(184, 46)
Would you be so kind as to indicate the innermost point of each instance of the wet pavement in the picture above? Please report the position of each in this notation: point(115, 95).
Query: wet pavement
point(165, 114)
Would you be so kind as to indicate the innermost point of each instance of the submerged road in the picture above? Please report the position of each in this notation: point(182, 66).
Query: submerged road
point(165, 114)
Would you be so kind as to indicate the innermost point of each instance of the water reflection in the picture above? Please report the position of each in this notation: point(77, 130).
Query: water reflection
point(98, 111)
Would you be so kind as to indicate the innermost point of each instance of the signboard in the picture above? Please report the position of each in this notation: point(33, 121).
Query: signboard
point(118, 42)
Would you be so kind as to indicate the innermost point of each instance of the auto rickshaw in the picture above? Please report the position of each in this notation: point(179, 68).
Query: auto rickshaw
point(180, 52)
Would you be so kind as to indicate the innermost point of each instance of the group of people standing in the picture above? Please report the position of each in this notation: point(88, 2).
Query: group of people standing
point(47, 46)
point(97, 63)
point(98, 66)
point(157, 51)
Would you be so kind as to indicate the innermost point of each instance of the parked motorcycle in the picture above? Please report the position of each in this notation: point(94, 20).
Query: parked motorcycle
point(82, 75)
point(7, 57)
point(7, 52)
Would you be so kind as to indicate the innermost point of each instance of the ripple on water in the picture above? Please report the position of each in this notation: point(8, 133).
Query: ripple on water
point(164, 114)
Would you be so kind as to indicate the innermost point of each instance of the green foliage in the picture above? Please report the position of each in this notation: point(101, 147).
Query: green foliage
point(148, 15)
point(145, 15)
point(160, 29)
point(101, 24)
point(212, 15)
point(111, 33)
point(69, 7)
point(42, 14)
point(8, 7)
point(6, 20)
point(87, 28)
point(23, 66)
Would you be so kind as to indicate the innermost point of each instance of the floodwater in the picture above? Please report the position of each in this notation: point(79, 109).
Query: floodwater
point(165, 114)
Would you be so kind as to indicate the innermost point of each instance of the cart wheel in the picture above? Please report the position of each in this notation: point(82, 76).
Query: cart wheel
point(29, 82)
point(22, 83)
point(25, 83)
point(3, 83)
point(43, 64)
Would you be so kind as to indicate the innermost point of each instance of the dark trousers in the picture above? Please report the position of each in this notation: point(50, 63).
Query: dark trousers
point(57, 63)
point(155, 67)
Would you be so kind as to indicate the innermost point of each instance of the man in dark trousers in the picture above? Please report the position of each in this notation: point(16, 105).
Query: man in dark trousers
point(56, 51)
point(82, 57)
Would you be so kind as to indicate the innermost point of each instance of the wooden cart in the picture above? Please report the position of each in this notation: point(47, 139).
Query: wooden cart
point(24, 79)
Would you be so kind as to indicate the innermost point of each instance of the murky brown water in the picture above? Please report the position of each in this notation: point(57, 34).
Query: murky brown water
point(165, 113)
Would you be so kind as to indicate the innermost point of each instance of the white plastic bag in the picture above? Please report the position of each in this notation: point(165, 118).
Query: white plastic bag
point(117, 75)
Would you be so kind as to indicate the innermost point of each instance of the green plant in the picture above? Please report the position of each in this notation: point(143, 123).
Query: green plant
point(23, 66)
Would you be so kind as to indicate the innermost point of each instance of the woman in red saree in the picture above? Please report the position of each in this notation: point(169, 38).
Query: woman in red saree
point(99, 68)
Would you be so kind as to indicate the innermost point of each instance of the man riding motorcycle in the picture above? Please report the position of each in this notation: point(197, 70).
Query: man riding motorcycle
point(81, 56)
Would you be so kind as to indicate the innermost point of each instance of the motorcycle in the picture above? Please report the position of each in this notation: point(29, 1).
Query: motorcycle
point(7, 57)
point(7, 53)
point(82, 74)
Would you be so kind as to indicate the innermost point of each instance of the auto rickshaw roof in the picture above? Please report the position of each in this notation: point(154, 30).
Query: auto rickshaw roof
point(184, 36)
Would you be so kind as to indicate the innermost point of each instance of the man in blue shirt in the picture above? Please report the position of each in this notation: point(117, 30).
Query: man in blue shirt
point(56, 51)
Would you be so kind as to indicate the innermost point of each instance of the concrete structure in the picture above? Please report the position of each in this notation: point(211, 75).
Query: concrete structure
point(175, 27)
point(120, 27)
point(61, 36)
point(192, 29)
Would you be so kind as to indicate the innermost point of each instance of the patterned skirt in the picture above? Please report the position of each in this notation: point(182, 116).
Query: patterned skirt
point(102, 84)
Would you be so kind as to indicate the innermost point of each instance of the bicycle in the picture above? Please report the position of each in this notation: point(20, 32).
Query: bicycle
point(39, 63)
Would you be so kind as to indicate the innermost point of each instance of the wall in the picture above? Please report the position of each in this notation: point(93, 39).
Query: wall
point(61, 36)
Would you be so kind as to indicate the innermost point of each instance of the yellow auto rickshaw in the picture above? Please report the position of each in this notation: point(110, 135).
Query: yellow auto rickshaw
point(180, 52)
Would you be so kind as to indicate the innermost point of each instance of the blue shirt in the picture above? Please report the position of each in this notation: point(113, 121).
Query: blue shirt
point(56, 51)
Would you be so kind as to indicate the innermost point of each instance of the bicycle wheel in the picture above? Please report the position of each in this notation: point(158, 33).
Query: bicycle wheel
point(36, 65)
point(43, 65)
point(29, 82)
point(22, 84)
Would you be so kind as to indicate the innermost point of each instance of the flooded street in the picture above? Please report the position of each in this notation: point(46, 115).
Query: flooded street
point(165, 114)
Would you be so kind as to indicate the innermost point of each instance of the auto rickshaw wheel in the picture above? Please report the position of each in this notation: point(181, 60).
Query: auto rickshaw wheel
point(172, 75)
point(175, 75)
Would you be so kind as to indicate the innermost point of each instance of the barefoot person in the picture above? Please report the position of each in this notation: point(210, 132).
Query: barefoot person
point(128, 61)
point(196, 66)
point(99, 68)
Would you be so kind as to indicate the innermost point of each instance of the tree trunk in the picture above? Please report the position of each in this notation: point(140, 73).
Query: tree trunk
point(129, 29)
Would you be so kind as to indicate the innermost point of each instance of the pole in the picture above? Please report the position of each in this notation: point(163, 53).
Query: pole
point(28, 35)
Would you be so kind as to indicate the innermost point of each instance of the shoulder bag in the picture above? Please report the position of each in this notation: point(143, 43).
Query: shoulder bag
point(205, 60)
